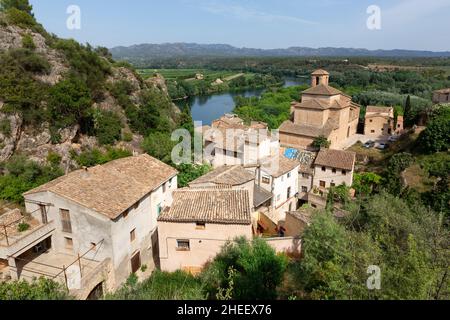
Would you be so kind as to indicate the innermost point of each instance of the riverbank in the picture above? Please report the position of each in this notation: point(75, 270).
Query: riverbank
point(207, 108)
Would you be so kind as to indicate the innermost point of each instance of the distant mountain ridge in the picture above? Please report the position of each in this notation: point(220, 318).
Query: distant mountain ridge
point(171, 50)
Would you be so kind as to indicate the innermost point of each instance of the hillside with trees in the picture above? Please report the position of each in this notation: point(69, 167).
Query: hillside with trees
point(64, 105)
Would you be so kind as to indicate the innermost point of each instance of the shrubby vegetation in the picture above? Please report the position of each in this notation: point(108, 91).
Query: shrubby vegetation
point(161, 286)
point(254, 269)
point(39, 289)
point(90, 158)
point(436, 136)
point(23, 175)
point(243, 270)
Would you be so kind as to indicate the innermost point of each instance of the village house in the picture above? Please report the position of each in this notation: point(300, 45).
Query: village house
point(237, 178)
point(305, 171)
point(379, 121)
point(199, 223)
point(278, 176)
point(323, 111)
point(332, 168)
point(441, 96)
point(107, 214)
point(230, 142)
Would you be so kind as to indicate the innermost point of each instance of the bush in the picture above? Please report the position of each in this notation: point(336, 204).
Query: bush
point(108, 127)
point(159, 145)
point(94, 157)
point(40, 289)
point(5, 127)
point(24, 175)
point(27, 42)
point(69, 102)
point(54, 159)
point(30, 61)
point(321, 142)
point(20, 18)
point(257, 270)
point(162, 286)
point(22, 227)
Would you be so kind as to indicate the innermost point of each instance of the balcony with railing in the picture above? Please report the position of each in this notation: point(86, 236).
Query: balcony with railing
point(19, 232)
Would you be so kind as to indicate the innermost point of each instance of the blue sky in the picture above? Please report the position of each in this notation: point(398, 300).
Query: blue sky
point(405, 24)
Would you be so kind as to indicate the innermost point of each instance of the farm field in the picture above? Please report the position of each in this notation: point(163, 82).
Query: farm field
point(176, 74)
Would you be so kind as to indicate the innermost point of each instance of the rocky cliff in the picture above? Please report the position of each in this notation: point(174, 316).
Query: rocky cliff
point(18, 136)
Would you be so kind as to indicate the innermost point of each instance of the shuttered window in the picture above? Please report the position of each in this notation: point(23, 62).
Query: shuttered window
point(65, 221)
point(136, 262)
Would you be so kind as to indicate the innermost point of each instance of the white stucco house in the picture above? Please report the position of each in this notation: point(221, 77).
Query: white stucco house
point(230, 142)
point(199, 223)
point(104, 213)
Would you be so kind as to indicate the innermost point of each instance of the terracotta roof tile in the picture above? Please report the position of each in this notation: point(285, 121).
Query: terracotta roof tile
point(220, 206)
point(320, 72)
point(336, 159)
point(226, 175)
point(278, 166)
point(378, 109)
point(323, 90)
point(112, 188)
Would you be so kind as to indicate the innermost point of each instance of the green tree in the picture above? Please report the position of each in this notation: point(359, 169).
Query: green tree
point(436, 137)
point(69, 102)
point(321, 142)
point(258, 270)
point(190, 172)
point(365, 183)
point(407, 112)
point(159, 145)
point(107, 127)
point(321, 272)
point(22, 5)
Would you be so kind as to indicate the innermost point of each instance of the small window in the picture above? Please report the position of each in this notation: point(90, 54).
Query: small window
point(344, 172)
point(289, 175)
point(133, 235)
point(183, 245)
point(236, 155)
point(324, 169)
point(371, 121)
point(313, 205)
point(200, 226)
point(164, 188)
point(289, 192)
point(136, 262)
point(279, 197)
point(323, 184)
point(65, 221)
point(333, 184)
point(170, 183)
point(304, 189)
point(266, 180)
point(372, 131)
point(125, 214)
point(305, 175)
point(69, 243)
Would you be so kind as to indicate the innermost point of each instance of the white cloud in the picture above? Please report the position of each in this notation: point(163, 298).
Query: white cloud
point(245, 13)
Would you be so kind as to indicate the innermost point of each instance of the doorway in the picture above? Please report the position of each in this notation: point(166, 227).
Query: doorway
point(96, 293)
